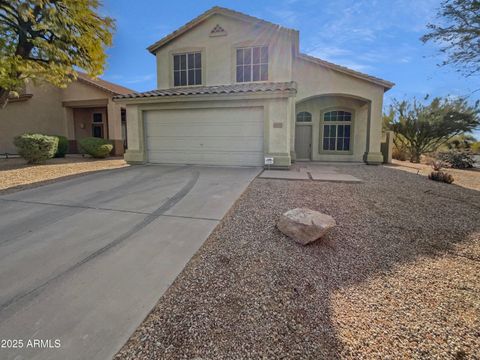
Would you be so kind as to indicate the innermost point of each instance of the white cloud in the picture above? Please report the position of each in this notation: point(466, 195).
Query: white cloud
point(136, 79)
point(139, 79)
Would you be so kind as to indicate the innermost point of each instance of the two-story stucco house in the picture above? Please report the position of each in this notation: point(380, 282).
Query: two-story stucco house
point(234, 89)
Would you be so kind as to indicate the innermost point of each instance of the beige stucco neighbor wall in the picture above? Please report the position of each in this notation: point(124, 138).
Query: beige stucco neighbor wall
point(218, 52)
point(315, 80)
point(50, 111)
point(277, 120)
point(42, 113)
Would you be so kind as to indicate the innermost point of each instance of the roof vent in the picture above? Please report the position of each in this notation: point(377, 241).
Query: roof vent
point(218, 31)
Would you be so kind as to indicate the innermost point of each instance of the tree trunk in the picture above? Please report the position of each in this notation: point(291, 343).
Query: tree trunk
point(3, 97)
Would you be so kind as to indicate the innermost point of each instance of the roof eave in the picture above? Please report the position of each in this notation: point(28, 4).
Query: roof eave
point(90, 82)
point(201, 97)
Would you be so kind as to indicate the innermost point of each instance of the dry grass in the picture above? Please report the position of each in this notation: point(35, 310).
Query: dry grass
point(398, 278)
point(467, 178)
point(16, 175)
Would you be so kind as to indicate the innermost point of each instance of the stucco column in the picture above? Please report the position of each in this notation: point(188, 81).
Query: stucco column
point(115, 127)
point(278, 135)
point(135, 153)
point(293, 154)
point(373, 154)
point(70, 129)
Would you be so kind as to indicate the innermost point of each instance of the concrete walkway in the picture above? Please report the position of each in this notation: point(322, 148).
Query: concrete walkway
point(312, 171)
point(84, 260)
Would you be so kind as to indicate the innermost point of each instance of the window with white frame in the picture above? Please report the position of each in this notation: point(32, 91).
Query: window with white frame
point(252, 64)
point(304, 116)
point(187, 69)
point(337, 130)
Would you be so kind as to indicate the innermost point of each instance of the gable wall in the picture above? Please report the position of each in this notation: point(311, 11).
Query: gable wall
point(313, 79)
point(218, 53)
point(78, 91)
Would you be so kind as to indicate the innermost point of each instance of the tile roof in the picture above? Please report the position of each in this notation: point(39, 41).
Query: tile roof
point(264, 87)
point(386, 84)
point(103, 84)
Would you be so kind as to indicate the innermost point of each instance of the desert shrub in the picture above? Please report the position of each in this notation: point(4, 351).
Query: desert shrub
point(36, 148)
point(62, 146)
point(458, 159)
point(95, 147)
point(399, 154)
point(441, 176)
point(436, 164)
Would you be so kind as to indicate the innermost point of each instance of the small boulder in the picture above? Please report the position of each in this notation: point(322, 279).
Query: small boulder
point(304, 225)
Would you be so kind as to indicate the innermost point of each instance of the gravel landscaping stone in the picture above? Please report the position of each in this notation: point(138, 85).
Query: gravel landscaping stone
point(397, 278)
point(305, 225)
point(16, 174)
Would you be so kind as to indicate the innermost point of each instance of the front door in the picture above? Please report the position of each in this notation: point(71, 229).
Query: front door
point(303, 142)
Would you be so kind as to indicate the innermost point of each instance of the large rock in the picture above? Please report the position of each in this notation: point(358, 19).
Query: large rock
point(304, 225)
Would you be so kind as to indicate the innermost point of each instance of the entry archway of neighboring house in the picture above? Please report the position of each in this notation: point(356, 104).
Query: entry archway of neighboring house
point(90, 122)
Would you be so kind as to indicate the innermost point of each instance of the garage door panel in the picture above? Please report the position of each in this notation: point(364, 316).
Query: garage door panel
point(206, 158)
point(217, 136)
point(203, 130)
point(205, 143)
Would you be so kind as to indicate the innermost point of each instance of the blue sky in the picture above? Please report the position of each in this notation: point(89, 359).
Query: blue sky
point(378, 37)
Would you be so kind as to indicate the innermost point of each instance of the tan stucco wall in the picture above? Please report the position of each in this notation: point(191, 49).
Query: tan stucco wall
point(42, 113)
point(314, 80)
point(78, 91)
point(218, 52)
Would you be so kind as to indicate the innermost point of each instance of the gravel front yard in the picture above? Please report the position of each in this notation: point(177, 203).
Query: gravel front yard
point(468, 178)
point(398, 278)
point(16, 175)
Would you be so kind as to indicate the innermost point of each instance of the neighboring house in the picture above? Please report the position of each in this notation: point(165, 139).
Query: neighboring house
point(84, 108)
point(234, 89)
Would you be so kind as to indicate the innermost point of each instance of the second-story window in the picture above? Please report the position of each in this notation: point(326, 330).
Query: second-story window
point(187, 69)
point(252, 64)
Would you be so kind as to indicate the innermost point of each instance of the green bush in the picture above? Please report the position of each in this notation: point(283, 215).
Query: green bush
point(476, 147)
point(62, 146)
point(95, 147)
point(441, 176)
point(458, 159)
point(36, 148)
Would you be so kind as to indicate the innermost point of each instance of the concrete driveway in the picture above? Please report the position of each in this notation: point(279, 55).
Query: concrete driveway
point(84, 260)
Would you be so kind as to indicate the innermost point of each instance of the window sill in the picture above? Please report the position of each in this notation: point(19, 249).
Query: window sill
point(186, 86)
point(252, 82)
point(335, 152)
point(23, 97)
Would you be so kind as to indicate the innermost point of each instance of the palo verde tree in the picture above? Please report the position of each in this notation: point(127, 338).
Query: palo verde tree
point(423, 128)
point(46, 40)
point(458, 33)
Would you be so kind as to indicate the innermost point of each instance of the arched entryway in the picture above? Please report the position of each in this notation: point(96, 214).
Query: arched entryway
point(332, 127)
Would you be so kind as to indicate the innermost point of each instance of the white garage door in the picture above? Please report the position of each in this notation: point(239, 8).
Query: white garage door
point(221, 136)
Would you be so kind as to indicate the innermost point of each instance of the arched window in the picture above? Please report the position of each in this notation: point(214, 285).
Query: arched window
point(337, 130)
point(304, 116)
